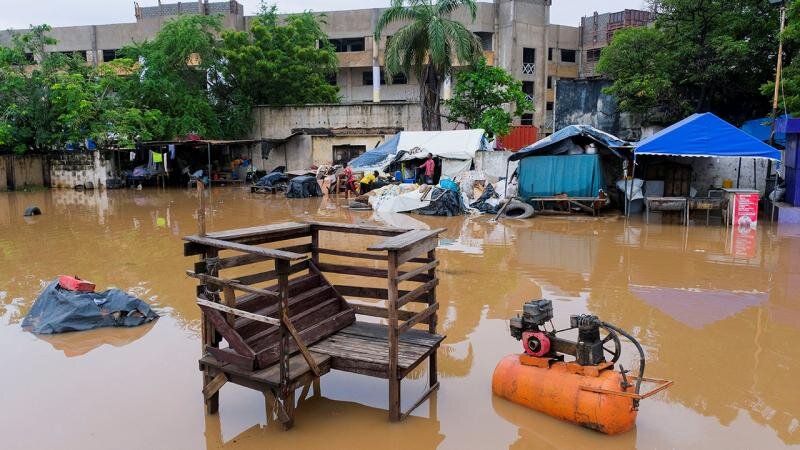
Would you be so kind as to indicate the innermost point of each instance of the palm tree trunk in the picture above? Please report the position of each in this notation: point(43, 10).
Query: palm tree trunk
point(429, 100)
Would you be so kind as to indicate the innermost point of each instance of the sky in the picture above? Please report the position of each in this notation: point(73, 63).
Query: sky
point(21, 13)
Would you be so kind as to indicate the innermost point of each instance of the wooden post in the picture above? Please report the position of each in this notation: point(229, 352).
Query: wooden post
point(282, 269)
point(209, 339)
point(394, 381)
point(201, 210)
point(433, 377)
point(314, 245)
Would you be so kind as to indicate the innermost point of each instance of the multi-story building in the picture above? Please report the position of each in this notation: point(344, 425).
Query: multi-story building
point(516, 35)
point(597, 30)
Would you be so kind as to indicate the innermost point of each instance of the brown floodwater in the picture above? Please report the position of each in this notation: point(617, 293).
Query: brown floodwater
point(719, 316)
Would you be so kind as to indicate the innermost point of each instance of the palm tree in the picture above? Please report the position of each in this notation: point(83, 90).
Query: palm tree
point(428, 46)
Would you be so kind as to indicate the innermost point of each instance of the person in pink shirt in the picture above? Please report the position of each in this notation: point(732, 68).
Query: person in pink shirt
point(429, 165)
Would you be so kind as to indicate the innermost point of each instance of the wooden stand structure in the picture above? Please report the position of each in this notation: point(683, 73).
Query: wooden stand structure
point(298, 326)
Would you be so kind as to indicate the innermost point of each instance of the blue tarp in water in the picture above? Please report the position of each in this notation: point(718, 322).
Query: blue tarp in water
point(378, 154)
point(574, 175)
point(705, 135)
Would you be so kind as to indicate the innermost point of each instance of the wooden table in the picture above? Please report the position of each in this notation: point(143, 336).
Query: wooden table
point(667, 204)
point(575, 201)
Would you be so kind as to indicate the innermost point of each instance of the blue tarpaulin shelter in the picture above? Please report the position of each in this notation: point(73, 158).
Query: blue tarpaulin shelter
point(574, 175)
point(378, 154)
point(585, 134)
point(761, 129)
point(705, 135)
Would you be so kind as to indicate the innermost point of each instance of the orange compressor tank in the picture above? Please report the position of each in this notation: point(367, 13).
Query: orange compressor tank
point(560, 391)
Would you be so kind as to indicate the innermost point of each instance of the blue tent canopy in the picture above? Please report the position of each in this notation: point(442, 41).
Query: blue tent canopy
point(378, 154)
point(705, 135)
point(552, 144)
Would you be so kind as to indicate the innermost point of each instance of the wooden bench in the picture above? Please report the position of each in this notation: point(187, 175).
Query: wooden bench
point(289, 325)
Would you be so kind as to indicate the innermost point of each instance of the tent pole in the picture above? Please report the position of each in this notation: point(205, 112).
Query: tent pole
point(630, 188)
point(208, 152)
point(739, 174)
point(505, 190)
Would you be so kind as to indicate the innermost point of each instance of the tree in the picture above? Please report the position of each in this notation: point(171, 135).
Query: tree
point(280, 63)
point(789, 100)
point(701, 55)
point(481, 96)
point(172, 76)
point(428, 46)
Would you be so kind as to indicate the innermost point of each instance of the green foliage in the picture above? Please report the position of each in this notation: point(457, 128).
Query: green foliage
point(480, 98)
point(706, 55)
point(789, 98)
point(280, 63)
point(428, 46)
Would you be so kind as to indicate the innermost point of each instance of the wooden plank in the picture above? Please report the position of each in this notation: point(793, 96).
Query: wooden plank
point(234, 340)
point(243, 260)
point(392, 370)
point(421, 269)
point(357, 348)
point(365, 292)
point(350, 254)
point(422, 398)
point(213, 386)
point(298, 368)
point(229, 355)
point(415, 250)
point(381, 332)
point(260, 230)
point(271, 274)
point(191, 248)
point(405, 240)
point(244, 248)
point(232, 283)
point(356, 228)
point(300, 344)
point(418, 318)
point(229, 298)
point(379, 311)
point(417, 293)
point(364, 271)
point(238, 312)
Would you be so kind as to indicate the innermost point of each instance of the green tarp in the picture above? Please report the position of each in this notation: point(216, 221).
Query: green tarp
point(575, 175)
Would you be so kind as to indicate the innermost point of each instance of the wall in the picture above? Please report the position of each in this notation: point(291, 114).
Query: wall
point(70, 169)
point(493, 164)
point(582, 102)
point(22, 171)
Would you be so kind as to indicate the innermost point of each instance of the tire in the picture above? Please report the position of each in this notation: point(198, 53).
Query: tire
point(358, 206)
point(518, 210)
point(32, 211)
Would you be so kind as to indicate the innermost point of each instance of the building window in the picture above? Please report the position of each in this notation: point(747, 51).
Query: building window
point(526, 119)
point(568, 56)
point(550, 54)
point(549, 106)
point(549, 82)
point(593, 55)
point(343, 154)
point(75, 53)
point(109, 55)
point(486, 40)
point(366, 78)
point(528, 61)
point(527, 88)
point(29, 58)
point(348, 44)
point(332, 79)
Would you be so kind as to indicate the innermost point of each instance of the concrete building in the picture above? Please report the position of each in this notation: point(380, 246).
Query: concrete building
point(597, 30)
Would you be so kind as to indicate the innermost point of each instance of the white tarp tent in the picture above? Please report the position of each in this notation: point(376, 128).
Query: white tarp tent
point(454, 144)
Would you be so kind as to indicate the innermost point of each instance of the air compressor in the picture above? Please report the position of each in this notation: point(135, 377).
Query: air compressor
point(588, 390)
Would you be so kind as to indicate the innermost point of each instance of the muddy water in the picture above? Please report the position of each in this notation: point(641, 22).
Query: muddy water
point(720, 316)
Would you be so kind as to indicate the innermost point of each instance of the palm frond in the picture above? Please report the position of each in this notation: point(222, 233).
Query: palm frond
point(464, 43)
point(396, 12)
point(446, 7)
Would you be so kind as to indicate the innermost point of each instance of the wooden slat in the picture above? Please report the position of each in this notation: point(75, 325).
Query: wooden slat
point(417, 293)
point(414, 251)
point(232, 283)
point(418, 318)
point(350, 254)
point(357, 348)
point(421, 399)
point(364, 271)
point(356, 228)
point(364, 292)
point(379, 311)
point(417, 271)
point(234, 340)
point(214, 385)
point(301, 345)
point(240, 233)
point(244, 248)
point(405, 240)
point(269, 376)
point(381, 332)
point(238, 312)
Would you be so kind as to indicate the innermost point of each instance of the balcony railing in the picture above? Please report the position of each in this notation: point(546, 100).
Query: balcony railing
point(528, 68)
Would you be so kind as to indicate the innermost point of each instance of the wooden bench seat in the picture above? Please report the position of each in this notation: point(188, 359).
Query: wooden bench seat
point(299, 372)
point(364, 348)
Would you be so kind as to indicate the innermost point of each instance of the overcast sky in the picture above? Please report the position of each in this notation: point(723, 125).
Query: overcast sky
point(21, 13)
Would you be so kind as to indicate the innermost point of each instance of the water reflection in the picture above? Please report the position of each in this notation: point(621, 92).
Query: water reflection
point(723, 324)
point(80, 343)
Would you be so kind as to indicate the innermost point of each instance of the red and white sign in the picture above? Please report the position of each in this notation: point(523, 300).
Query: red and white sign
point(745, 210)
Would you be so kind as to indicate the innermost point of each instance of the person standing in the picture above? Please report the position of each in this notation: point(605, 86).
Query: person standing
point(429, 165)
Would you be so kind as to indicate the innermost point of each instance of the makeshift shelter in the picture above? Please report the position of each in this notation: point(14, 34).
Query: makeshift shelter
point(568, 161)
point(703, 135)
point(455, 148)
point(761, 129)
